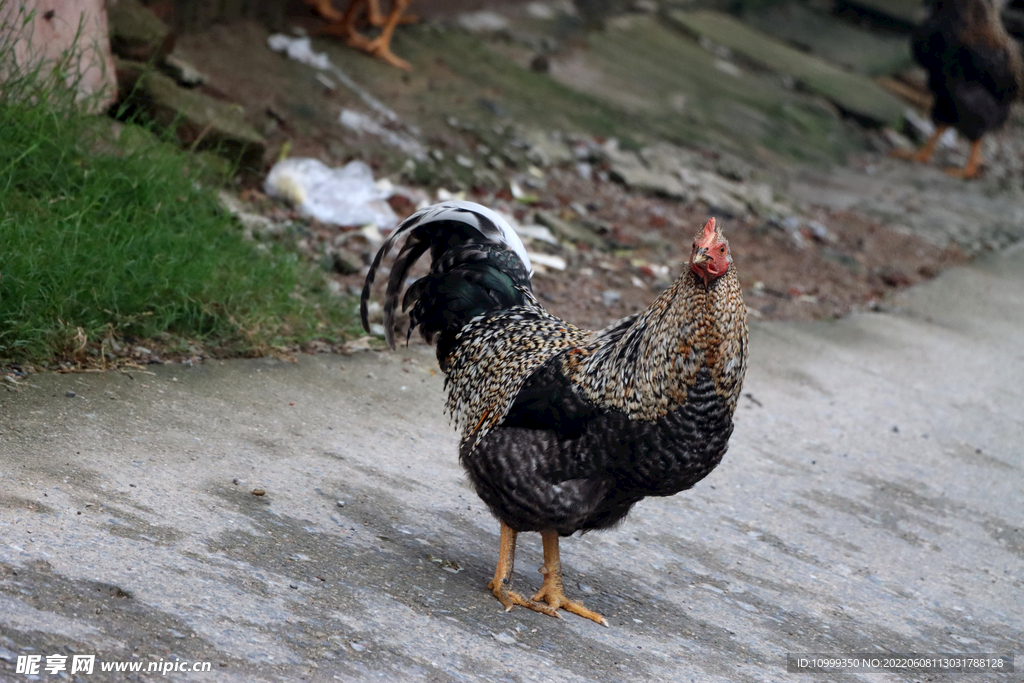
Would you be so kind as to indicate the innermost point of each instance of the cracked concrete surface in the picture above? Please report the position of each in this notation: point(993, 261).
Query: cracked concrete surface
point(870, 502)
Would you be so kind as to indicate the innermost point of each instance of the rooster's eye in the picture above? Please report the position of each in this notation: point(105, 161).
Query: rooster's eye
point(722, 250)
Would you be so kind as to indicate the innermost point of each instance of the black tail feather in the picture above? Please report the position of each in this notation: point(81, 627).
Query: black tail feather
point(478, 265)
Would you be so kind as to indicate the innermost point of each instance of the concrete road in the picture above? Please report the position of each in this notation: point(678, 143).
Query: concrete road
point(871, 502)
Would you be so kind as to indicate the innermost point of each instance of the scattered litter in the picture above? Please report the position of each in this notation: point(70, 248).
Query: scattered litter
point(363, 123)
point(347, 349)
point(483, 21)
point(540, 10)
point(341, 196)
point(728, 68)
point(535, 232)
point(447, 565)
point(547, 260)
point(819, 231)
point(444, 195)
point(521, 195)
point(301, 50)
point(326, 82)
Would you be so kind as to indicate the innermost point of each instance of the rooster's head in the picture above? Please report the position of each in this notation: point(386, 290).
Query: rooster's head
point(710, 257)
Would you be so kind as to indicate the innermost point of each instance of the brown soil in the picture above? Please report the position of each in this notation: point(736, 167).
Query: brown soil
point(856, 264)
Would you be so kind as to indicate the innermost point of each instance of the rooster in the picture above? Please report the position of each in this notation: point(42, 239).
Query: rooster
point(975, 72)
point(563, 429)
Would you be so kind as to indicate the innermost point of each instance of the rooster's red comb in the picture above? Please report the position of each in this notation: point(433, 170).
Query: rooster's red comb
point(709, 231)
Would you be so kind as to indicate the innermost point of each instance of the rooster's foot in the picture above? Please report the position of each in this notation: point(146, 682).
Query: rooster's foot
point(551, 593)
point(510, 599)
point(382, 49)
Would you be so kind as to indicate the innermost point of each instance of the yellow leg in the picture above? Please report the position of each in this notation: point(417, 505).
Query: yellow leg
point(325, 9)
point(551, 591)
point(345, 26)
point(923, 155)
point(501, 585)
point(973, 167)
point(377, 18)
point(381, 45)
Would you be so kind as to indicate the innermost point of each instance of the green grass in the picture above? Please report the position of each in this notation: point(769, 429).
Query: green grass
point(105, 237)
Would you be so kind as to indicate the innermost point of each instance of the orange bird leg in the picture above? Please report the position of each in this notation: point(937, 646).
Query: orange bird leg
point(551, 591)
point(325, 9)
point(923, 155)
point(973, 167)
point(377, 18)
point(381, 45)
point(346, 27)
point(501, 585)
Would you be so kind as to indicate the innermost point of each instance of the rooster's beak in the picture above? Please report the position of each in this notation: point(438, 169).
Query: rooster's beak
point(699, 265)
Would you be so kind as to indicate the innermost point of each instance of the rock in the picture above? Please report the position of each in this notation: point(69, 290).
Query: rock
point(733, 168)
point(896, 140)
point(902, 12)
point(346, 263)
point(683, 174)
point(138, 34)
point(183, 72)
point(546, 149)
point(833, 38)
point(628, 169)
point(719, 194)
point(570, 232)
point(197, 120)
point(256, 225)
point(852, 93)
point(483, 21)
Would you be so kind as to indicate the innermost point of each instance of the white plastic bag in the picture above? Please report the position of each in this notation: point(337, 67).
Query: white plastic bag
point(341, 196)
